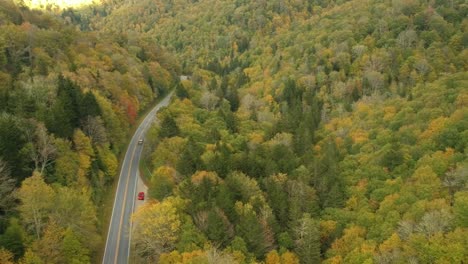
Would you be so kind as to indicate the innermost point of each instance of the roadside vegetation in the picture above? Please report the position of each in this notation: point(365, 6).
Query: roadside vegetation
point(67, 101)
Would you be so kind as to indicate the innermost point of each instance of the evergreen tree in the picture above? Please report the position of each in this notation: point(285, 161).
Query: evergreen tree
point(12, 146)
point(13, 238)
point(233, 97)
point(328, 183)
point(216, 228)
point(307, 240)
point(181, 92)
point(190, 160)
point(89, 106)
point(64, 116)
point(168, 127)
point(250, 229)
point(278, 197)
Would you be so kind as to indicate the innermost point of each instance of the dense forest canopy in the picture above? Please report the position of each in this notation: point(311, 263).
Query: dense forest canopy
point(304, 131)
point(67, 98)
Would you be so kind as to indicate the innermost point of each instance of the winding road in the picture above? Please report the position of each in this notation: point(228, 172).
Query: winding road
point(117, 248)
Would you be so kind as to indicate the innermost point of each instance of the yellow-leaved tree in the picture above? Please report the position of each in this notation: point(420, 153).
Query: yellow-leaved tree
point(37, 200)
point(157, 225)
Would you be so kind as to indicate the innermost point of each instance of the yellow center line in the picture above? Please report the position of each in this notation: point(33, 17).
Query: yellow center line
point(123, 205)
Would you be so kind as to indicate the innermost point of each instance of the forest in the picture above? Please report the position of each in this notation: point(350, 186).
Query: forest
point(68, 98)
point(318, 131)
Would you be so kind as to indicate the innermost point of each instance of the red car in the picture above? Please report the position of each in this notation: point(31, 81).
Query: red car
point(141, 196)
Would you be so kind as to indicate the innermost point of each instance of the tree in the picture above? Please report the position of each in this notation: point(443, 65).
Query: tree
point(250, 229)
point(85, 153)
point(307, 240)
point(217, 228)
point(13, 238)
point(327, 181)
point(273, 258)
point(190, 160)
point(107, 161)
point(12, 141)
point(41, 145)
point(7, 185)
point(31, 258)
point(168, 152)
point(168, 127)
point(65, 115)
point(460, 209)
point(74, 210)
point(94, 128)
point(181, 92)
point(66, 164)
point(49, 247)
point(88, 106)
point(37, 201)
point(73, 250)
point(6, 257)
point(215, 256)
point(289, 258)
point(302, 199)
point(278, 197)
point(190, 238)
point(162, 182)
point(157, 229)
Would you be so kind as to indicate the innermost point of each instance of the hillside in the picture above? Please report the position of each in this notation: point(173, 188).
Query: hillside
point(311, 131)
point(305, 132)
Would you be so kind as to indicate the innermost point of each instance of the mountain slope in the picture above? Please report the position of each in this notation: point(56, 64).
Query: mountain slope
point(304, 131)
point(331, 129)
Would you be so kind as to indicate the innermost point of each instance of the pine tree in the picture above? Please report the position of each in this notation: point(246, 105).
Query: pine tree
point(88, 106)
point(13, 238)
point(307, 241)
point(250, 229)
point(168, 127)
point(181, 92)
point(190, 160)
point(216, 228)
point(64, 115)
point(328, 183)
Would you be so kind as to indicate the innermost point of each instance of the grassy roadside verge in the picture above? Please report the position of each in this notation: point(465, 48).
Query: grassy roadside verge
point(105, 209)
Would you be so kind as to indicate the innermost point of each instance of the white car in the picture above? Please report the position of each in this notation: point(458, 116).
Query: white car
point(140, 141)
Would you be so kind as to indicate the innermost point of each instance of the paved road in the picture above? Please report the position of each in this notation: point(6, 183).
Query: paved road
point(118, 239)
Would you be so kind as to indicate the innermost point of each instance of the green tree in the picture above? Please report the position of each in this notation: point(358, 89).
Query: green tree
point(37, 201)
point(88, 105)
point(168, 127)
point(12, 141)
point(181, 92)
point(250, 229)
point(460, 209)
point(190, 160)
point(217, 229)
point(190, 236)
point(307, 240)
point(327, 181)
point(162, 182)
point(73, 250)
point(74, 210)
point(65, 113)
point(13, 239)
point(67, 163)
point(31, 258)
point(7, 186)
